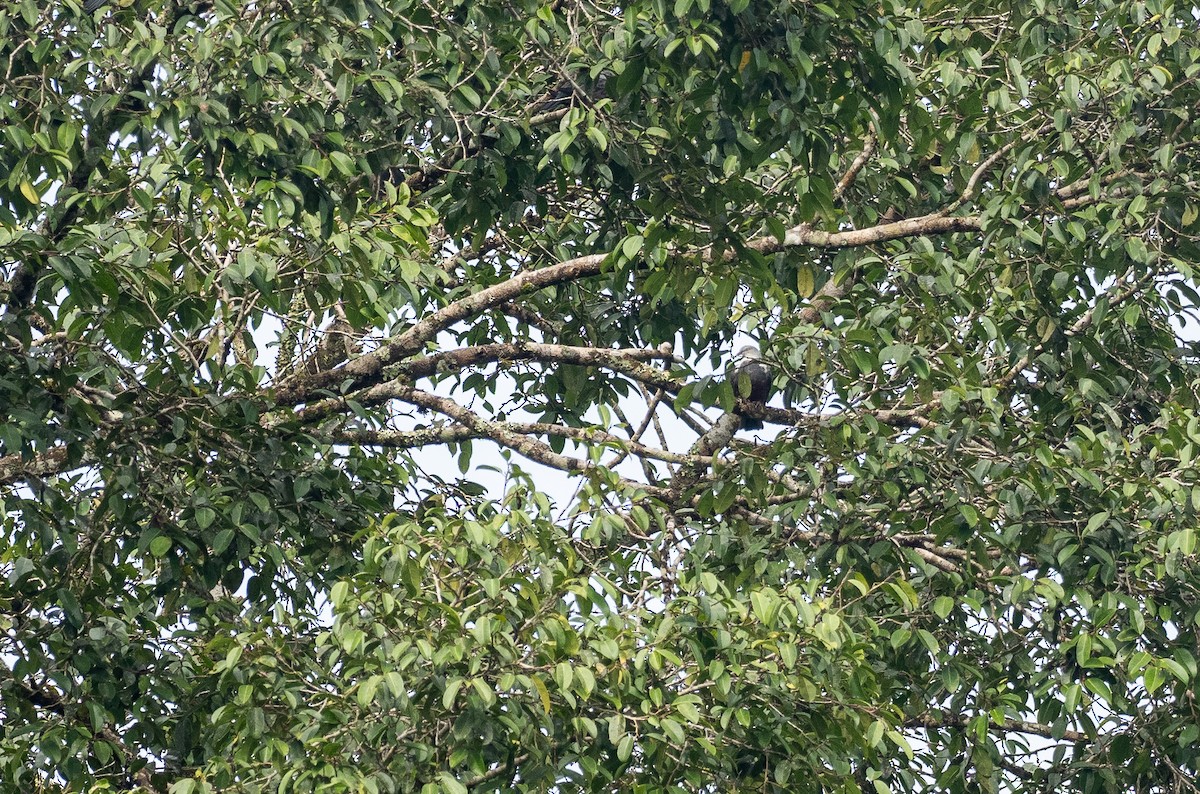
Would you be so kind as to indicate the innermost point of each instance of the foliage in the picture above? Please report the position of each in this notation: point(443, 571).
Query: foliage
point(261, 260)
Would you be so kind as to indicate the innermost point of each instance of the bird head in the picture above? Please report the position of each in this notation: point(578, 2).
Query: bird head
point(748, 353)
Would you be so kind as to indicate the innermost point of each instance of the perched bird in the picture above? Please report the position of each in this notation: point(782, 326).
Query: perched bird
point(568, 91)
point(752, 381)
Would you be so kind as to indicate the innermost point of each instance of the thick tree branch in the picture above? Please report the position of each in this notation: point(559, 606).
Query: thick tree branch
point(367, 369)
point(627, 362)
point(16, 467)
point(705, 448)
point(855, 167)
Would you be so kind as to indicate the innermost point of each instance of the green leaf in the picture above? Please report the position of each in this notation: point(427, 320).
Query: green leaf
point(368, 689)
point(632, 246)
point(450, 784)
point(672, 729)
point(205, 517)
point(451, 692)
point(1096, 521)
point(943, 606)
point(687, 710)
point(625, 748)
point(222, 540)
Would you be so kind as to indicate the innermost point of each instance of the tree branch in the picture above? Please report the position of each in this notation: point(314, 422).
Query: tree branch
point(1008, 725)
point(501, 434)
point(408, 439)
point(626, 361)
point(16, 467)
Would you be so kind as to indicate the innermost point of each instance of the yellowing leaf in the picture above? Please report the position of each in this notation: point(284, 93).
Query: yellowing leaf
point(543, 693)
point(805, 282)
point(1045, 328)
point(29, 193)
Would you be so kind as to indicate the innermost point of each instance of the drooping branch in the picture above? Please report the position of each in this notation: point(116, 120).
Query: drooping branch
point(410, 439)
point(923, 546)
point(425, 178)
point(503, 435)
point(1120, 292)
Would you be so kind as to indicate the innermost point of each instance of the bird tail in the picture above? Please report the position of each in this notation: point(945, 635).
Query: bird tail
point(749, 423)
point(91, 5)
